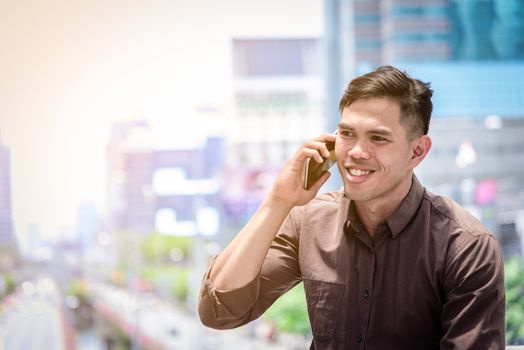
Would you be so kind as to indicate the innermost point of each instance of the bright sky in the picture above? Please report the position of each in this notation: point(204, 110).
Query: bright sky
point(69, 69)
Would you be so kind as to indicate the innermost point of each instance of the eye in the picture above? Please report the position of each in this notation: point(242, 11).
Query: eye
point(346, 133)
point(377, 138)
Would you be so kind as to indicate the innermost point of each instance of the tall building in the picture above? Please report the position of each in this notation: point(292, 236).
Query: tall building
point(6, 216)
point(278, 99)
point(174, 191)
point(133, 137)
point(87, 225)
point(396, 31)
point(389, 31)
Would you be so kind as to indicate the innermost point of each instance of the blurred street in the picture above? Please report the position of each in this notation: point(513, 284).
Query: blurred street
point(32, 318)
point(157, 324)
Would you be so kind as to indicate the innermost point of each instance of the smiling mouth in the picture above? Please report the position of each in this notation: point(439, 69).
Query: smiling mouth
point(359, 172)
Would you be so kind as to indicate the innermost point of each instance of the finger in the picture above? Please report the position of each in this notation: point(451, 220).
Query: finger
point(325, 137)
point(312, 153)
point(320, 146)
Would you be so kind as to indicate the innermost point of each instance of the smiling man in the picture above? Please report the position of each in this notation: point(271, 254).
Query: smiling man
point(385, 263)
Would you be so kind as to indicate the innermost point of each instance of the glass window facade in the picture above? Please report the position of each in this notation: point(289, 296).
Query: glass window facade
point(456, 30)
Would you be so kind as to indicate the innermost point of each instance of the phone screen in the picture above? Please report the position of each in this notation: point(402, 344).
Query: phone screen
point(314, 170)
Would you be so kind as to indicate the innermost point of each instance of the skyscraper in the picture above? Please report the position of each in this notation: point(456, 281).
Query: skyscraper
point(6, 218)
point(170, 190)
point(393, 31)
point(387, 31)
point(278, 91)
point(127, 139)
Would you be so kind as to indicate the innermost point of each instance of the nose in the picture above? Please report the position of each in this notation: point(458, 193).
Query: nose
point(358, 151)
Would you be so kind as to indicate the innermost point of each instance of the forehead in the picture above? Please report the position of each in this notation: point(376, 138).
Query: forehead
point(372, 112)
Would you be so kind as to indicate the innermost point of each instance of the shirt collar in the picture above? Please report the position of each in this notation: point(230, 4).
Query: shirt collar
point(353, 220)
point(408, 208)
point(400, 218)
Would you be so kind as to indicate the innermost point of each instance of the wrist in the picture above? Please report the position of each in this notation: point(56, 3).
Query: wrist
point(277, 202)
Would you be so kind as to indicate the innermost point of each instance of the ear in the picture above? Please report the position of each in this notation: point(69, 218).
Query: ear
point(420, 148)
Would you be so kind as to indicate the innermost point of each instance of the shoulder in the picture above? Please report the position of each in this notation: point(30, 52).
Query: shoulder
point(322, 204)
point(456, 224)
point(321, 209)
point(327, 199)
point(448, 210)
point(469, 251)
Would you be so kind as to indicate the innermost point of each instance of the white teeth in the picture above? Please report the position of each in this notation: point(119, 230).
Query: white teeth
point(358, 172)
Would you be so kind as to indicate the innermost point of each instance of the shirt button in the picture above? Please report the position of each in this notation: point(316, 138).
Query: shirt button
point(359, 338)
point(366, 294)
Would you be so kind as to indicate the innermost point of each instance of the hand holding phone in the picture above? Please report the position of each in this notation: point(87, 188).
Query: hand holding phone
point(314, 170)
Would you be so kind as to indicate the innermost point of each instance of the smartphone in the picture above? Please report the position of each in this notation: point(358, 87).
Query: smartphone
point(314, 170)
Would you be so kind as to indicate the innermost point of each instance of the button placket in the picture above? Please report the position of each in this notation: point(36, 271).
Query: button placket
point(366, 285)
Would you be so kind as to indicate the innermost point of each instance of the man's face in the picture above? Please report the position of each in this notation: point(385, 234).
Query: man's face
point(374, 155)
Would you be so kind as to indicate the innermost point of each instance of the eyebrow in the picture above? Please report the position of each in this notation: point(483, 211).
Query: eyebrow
point(376, 131)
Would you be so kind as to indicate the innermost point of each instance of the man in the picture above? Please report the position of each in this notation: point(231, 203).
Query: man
point(386, 264)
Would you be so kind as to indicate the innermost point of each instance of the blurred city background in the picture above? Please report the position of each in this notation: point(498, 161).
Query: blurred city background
point(137, 137)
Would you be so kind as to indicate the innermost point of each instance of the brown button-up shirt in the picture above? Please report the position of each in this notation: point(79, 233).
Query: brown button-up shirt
point(430, 278)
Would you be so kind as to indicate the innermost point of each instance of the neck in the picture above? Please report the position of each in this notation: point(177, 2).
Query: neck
point(373, 212)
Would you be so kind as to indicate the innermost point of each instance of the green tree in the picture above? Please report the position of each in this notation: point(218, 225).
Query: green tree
point(514, 282)
point(157, 247)
point(173, 279)
point(7, 284)
point(79, 289)
point(289, 312)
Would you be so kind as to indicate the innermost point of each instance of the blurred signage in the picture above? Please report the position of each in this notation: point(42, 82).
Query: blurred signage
point(207, 222)
point(244, 189)
point(173, 181)
point(467, 155)
point(166, 223)
point(486, 192)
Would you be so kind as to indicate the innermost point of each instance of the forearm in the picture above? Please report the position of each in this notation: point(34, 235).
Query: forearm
point(242, 259)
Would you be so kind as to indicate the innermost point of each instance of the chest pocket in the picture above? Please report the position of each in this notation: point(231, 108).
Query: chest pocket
point(324, 307)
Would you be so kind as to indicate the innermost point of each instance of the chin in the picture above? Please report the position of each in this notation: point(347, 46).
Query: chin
point(361, 192)
point(353, 194)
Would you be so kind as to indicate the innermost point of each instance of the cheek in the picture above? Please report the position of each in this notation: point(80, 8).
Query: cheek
point(340, 150)
point(389, 160)
point(397, 164)
point(339, 154)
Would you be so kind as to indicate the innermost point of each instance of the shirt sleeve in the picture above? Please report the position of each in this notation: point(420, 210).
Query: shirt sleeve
point(225, 309)
point(474, 301)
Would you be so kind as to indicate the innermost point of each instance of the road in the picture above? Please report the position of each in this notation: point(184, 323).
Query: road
point(157, 324)
point(31, 318)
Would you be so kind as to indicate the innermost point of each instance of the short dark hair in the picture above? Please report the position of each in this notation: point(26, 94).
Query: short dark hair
point(413, 96)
